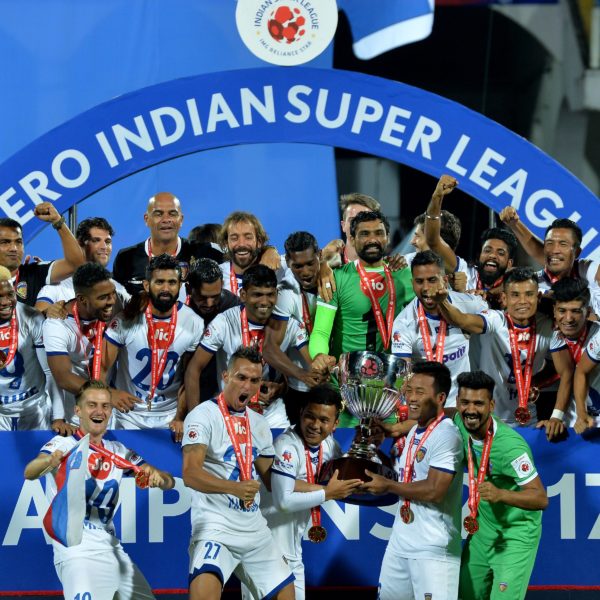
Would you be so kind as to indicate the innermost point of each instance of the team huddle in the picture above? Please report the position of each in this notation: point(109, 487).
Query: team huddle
point(220, 339)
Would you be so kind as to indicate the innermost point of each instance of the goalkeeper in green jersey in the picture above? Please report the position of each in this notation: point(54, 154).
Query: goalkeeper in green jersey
point(506, 498)
point(367, 298)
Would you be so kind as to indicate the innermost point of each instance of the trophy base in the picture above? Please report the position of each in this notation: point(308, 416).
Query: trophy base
point(350, 467)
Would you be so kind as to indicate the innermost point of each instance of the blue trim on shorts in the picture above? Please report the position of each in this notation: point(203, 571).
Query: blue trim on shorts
point(274, 591)
point(207, 569)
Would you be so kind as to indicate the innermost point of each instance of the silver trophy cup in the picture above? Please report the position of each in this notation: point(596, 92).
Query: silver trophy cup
point(370, 385)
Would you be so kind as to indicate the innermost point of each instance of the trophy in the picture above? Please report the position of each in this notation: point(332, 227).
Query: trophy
point(370, 385)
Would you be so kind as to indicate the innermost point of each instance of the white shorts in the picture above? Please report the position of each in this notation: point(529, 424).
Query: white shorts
point(414, 578)
point(36, 416)
point(276, 415)
point(142, 420)
point(103, 576)
point(297, 568)
point(256, 560)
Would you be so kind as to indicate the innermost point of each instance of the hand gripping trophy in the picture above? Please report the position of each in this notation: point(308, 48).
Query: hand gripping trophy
point(370, 385)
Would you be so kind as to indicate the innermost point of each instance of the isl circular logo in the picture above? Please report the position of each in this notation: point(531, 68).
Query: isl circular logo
point(371, 366)
point(286, 32)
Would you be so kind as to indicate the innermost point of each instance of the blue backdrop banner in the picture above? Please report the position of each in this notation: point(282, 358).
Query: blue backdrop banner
point(301, 105)
point(155, 526)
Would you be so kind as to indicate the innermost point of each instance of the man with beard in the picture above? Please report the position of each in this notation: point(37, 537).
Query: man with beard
point(297, 300)
point(422, 557)
point(367, 299)
point(98, 567)
point(151, 343)
point(164, 218)
point(94, 236)
point(226, 448)
point(28, 279)
point(498, 248)
point(506, 497)
point(245, 326)
point(207, 298)
point(572, 334)
point(74, 345)
point(24, 402)
point(420, 332)
point(558, 253)
point(514, 343)
point(245, 239)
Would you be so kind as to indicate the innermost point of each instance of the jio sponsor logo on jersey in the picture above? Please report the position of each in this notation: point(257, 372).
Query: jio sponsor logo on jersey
point(161, 335)
point(377, 283)
point(5, 334)
point(99, 466)
point(239, 428)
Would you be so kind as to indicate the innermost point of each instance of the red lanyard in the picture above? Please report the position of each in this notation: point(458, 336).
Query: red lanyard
point(247, 339)
point(385, 329)
point(441, 337)
point(150, 249)
point(552, 279)
point(98, 328)
point(409, 464)
point(141, 477)
point(315, 511)
point(308, 324)
point(233, 282)
point(494, 285)
point(470, 522)
point(158, 366)
point(522, 377)
point(13, 341)
point(576, 346)
point(244, 464)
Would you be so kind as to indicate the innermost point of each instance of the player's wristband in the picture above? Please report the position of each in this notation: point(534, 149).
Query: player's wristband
point(59, 223)
point(433, 218)
point(557, 414)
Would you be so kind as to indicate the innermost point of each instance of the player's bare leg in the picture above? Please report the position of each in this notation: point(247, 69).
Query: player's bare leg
point(207, 586)
point(286, 593)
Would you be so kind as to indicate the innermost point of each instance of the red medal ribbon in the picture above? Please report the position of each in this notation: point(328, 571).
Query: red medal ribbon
point(441, 337)
point(306, 313)
point(384, 327)
point(247, 338)
point(233, 282)
point(315, 511)
point(96, 341)
point(244, 464)
point(576, 346)
point(158, 366)
point(522, 378)
point(410, 460)
point(150, 249)
point(13, 342)
point(552, 279)
point(474, 497)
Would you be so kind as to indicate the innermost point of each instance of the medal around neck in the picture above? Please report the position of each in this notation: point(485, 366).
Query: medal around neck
point(370, 385)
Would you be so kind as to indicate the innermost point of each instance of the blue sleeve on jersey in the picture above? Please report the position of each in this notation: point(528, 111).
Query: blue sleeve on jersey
point(591, 358)
point(444, 470)
point(113, 342)
point(209, 350)
point(558, 349)
point(42, 299)
point(279, 317)
point(56, 353)
point(276, 472)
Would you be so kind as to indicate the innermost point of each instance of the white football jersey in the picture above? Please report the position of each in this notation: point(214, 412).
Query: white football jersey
point(22, 382)
point(290, 462)
point(281, 272)
point(496, 360)
point(101, 492)
point(135, 356)
point(435, 532)
point(221, 512)
point(408, 342)
point(64, 290)
point(63, 337)
point(592, 349)
point(585, 268)
point(289, 306)
point(223, 337)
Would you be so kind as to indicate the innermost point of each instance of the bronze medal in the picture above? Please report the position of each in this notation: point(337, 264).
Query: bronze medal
point(3, 359)
point(522, 415)
point(406, 514)
point(248, 504)
point(141, 479)
point(317, 534)
point(471, 525)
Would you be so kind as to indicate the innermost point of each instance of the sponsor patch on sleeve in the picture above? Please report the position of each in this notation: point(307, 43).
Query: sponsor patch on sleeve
point(523, 466)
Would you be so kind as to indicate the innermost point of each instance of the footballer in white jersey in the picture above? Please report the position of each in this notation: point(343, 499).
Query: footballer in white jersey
point(496, 359)
point(24, 401)
point(407, 341)
point(235, 282)
point(131, 340)
point(98, 567)
point(423, 554)
point(226, 447)
point(64, 291)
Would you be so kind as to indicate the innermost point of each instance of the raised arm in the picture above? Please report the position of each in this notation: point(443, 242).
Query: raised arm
point(531, 244)
point(72, 252)
point(433, 223)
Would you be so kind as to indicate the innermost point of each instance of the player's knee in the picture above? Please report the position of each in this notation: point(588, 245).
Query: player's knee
point(205, 586)
point(286, 593)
